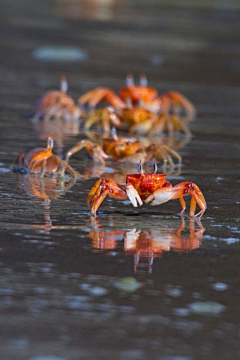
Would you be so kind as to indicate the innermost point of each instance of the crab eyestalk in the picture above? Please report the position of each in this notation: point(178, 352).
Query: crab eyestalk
point(50, 142)
point(128, 102)
point(155, 168)
point(64, 84)
point(143, 80)
point(114, 133)
point(140, 168)
point(129, 80)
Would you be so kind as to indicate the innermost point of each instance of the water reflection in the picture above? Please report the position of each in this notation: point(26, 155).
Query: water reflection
point(60, 130)
point(88, 9)
point(147, 244)
point(143, 240)
point(46, 188)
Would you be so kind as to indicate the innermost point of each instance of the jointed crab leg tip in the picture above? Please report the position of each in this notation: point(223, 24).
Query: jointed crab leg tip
point(199, 215)
point(93, 214)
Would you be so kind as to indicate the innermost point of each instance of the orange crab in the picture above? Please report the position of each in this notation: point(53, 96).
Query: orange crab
point(42, 161)
point(139, 109)
point(147, 96)
point(152, 188)
point(57, 104)
point(132, 119)
point(137, 120)
point(125, 149)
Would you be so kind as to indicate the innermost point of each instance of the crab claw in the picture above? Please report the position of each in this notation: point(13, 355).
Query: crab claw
point(133, 195)
point(160, 196)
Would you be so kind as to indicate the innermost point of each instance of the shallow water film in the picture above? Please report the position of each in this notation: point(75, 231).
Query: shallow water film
point(133, 282)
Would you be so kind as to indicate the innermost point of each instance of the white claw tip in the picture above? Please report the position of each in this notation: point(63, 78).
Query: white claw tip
point(133, 195)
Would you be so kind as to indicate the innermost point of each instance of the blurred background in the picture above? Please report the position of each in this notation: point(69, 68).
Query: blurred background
point(72, 287)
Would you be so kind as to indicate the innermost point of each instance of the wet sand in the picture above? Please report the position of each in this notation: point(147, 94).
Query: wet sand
point(60, 271)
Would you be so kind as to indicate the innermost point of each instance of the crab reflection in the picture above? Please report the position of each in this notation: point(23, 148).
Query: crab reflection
point(89, 9)
point(59, 129)
point(148, 244)
point(46, 188)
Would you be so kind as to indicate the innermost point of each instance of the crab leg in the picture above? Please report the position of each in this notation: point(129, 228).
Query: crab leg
point(95, 191)
point(95, 96)
point(168, 192)
point(164, 152)
point(173, 153)
point(176, 100)
point(52, 108)
point(43, 171)
point(99, 94)
point(182, 126)
point(93, 150)
point(114, 100)
point(109, 117)
point(185, 188)
point(96, 117)
point(161, 124)
point(183, 204)
point(197, 197)
point(106, 117)
point(92, 97)
point(97, 201)
point(66, 166)
point(155, 151)
point(108, 187)
point(192, 189)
